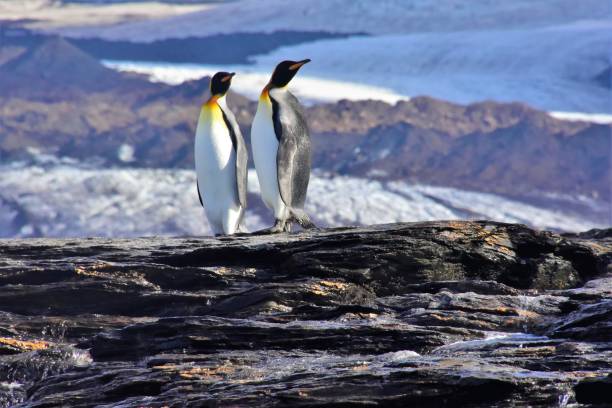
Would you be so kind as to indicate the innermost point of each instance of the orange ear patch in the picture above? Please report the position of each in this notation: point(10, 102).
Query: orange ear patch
point(265, 93)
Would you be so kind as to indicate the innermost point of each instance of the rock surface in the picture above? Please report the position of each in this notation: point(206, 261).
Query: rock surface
point(428, 314)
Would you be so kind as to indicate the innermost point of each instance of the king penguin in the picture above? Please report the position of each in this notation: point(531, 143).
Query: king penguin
point(281, 149)
point(221, 160)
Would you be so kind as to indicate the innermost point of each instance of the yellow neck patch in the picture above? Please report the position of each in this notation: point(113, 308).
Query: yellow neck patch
point(211, 109)
point(265, 95)
point(212, 100)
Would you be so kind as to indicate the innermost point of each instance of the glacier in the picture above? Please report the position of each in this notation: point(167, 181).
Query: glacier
point(550, 68)
point(548, 54)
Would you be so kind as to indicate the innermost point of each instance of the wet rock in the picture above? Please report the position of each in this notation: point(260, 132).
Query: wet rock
point(595, 391)
point(427, 314)
point(211, 335)
point(592, 322)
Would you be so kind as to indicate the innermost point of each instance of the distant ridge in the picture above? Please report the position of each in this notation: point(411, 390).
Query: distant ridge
point(55, 64)
point(605, 78)
point(525, 151)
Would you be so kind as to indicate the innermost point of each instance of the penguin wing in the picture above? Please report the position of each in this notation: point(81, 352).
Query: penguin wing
point(199, 194)
point(241, 155)
point(293, 156)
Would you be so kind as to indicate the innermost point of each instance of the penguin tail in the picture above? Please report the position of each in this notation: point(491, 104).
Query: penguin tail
point(300, 216)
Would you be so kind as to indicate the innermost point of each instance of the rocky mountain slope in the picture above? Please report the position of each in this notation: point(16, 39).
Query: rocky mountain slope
point(475, 314)
point(502, 148)
point(58, 99)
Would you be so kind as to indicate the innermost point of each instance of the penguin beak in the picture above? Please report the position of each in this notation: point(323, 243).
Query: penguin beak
point(299, 64)
point(228, 77)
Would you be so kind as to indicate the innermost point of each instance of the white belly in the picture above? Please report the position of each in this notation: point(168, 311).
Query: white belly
point(265, 147)
point(215, 162)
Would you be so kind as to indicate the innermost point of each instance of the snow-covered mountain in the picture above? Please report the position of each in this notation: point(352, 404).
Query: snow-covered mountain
point(67, 199)
point(552, 68)
point(551, 54)
point(381, 17)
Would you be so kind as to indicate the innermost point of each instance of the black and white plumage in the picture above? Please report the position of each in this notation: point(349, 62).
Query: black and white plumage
point(221, 161)
point(281, 149)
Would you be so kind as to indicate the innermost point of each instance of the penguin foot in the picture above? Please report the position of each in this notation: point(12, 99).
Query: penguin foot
point(299, 215)
point(306, 223)
point(279, 226)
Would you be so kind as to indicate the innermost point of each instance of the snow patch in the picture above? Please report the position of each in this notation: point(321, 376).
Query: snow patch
point(125, 153)
point(601, 118)
point(250, 80)
point(60, 200)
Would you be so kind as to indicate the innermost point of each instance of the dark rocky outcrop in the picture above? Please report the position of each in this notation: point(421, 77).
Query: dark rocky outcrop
point(56, 70)
point(604, 78)
point(234, 48)
point(430, 314)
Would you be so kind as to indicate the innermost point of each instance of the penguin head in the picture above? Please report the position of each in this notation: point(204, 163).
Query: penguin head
point(220, 83)
point(285, 71)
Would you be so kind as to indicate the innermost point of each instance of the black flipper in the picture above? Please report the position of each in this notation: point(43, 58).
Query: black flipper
point(199, 195)
point(241, 155)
